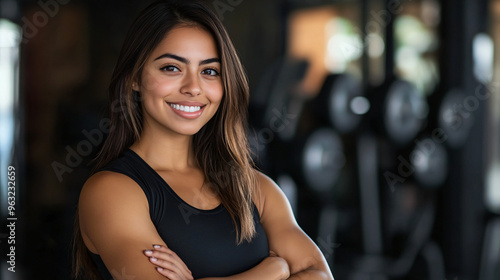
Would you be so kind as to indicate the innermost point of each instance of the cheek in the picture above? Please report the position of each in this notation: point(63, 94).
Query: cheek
point(149, 82)
point(215, 94)
point(154, 84)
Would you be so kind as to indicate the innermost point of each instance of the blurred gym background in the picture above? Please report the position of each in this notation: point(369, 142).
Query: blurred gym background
point(379, 119)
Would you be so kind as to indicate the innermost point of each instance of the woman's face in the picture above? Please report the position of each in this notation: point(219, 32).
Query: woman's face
point(181, 86)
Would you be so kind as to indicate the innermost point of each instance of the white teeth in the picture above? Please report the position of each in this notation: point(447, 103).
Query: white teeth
point(188, 109)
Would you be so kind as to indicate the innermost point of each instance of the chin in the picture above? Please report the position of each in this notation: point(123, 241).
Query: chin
point(188, 132)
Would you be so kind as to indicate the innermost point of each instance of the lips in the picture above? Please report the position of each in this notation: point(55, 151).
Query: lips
point(187, 110)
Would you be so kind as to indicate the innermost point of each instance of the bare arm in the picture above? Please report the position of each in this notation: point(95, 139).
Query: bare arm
point(115, 224)
point(287, 239)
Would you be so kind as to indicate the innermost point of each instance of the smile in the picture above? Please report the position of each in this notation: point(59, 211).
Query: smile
point(187, 109)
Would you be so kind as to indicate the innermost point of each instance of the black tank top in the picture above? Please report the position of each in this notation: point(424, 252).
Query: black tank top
point(204, 239)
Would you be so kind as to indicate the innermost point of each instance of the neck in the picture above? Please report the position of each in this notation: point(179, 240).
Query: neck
point(165, 151)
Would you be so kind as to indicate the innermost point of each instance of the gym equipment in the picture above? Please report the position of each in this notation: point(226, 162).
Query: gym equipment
point(454, 118)
point(403, 110)
point(341, 102)
point(322, 159)
point(393, 240)
point(430, 161)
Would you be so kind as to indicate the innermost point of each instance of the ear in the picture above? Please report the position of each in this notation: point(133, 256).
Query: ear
point(135, 87)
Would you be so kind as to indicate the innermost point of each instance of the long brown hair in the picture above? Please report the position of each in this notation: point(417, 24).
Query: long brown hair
point(220, 147)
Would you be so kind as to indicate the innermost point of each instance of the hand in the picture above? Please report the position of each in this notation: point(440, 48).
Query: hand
point(168, 263)
point(277, 265)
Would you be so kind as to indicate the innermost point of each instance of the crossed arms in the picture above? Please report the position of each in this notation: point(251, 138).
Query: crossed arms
point(111, 202)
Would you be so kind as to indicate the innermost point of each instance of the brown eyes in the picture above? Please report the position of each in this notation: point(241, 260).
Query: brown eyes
point(170, 68)
point(210, 72)
point(207, 71)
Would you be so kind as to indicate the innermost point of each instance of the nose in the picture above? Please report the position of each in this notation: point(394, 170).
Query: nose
point(191, 85)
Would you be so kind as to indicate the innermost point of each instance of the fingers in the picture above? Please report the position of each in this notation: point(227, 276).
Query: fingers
point(170, 274)
point(168, 263)
point(166, 250)
point(272, 254)
point(184, 269)
point(168, 269)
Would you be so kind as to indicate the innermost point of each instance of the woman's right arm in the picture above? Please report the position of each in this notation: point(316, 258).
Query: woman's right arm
point(115, 224)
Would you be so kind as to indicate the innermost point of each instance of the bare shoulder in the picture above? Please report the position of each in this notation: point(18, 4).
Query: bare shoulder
point(266, 185)
point(263, 183)
point(107, 198)
point(264, 180)
point(110, 191)
point(273, 200)
point(105, 182)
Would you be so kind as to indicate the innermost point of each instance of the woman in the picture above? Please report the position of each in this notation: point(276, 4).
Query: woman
point(175, 170)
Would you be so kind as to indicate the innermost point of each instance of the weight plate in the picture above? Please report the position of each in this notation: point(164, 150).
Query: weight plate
point(430, 161)
point(405, 112)
point(322, 159)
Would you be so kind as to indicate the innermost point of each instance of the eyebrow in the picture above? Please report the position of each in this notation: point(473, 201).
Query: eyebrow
point(185, 60)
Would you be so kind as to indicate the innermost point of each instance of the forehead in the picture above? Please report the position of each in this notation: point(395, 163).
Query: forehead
point(192, 42)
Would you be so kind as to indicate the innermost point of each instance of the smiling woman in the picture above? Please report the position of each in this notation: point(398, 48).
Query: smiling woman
point(174, 194)
point(186, 61)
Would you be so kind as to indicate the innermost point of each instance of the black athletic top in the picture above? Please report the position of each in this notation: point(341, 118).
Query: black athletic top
point(204, 239)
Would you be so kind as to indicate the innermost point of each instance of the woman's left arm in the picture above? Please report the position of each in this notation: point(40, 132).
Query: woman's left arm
point(286, 238)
